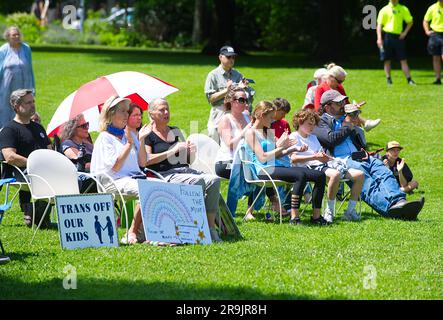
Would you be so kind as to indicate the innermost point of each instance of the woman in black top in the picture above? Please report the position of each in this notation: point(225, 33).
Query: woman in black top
point(170, 154)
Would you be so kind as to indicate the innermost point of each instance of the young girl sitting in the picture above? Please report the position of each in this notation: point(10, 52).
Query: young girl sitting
point(314, 157)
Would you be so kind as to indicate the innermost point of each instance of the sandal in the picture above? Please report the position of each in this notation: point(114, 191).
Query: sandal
point(248, 217)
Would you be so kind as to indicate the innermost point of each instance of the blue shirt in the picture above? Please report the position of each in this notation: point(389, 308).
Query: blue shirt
point(346, 148)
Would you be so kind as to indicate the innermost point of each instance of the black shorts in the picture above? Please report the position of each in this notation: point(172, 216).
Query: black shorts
point(435, 44)
point(394, 48)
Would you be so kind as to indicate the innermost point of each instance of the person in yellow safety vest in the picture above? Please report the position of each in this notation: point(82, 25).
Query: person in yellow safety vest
point(390, 20)
point(433, 26)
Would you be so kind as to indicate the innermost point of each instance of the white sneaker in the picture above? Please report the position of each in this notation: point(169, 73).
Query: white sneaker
point(328, 215)
point(371, 124)
point(214, 235)
point(351, 215)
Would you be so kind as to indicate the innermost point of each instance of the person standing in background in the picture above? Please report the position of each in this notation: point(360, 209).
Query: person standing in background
point(15, 71)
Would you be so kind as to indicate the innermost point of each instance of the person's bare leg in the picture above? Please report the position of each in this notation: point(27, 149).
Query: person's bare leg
point(387, 67)
point(405, 68)
point(136, 223)
point(358, 178)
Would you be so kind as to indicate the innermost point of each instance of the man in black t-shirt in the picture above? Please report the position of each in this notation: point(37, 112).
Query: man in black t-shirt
point(18, 139)
point(399, 167)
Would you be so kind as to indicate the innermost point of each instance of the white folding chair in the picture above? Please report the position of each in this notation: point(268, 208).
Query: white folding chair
point(248, 166)
point(205, 154)
point(51, 174)
point(12, 171)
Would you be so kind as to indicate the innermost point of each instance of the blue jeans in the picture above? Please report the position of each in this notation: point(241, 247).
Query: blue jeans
point(380, 189)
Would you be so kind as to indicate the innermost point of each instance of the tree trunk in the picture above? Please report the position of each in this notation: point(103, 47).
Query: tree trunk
point(197, 30)
point(223, 26)
point(330, 40)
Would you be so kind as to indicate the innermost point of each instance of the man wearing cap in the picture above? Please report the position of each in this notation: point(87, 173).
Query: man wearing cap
point(18, 139)
point(390, 19)
point(337, 133)
point(433, 26)
point(217, 85)
point(399, 167)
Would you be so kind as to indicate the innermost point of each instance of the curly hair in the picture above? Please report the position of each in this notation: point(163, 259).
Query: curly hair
point(230, 96)
point(68, 128)
point(262, 109)
point(304, 115)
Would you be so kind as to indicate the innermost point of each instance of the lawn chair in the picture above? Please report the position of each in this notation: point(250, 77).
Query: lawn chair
point(3, 208)
point(206, 152)
point(50, 174)
point(251, 178)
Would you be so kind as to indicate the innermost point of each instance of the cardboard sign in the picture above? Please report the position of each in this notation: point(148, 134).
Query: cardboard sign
point(173, 213)
point(86, 221)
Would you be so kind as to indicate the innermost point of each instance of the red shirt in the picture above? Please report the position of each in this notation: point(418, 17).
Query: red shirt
point(322, 89)
point(280, 126)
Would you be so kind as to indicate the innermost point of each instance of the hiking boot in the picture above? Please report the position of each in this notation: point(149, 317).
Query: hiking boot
point(371, 124)
point(320, 221)
point(328, 215)
point(437, 82)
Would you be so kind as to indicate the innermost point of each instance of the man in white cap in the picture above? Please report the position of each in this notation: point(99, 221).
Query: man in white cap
point(337, 133)
point(217, 85)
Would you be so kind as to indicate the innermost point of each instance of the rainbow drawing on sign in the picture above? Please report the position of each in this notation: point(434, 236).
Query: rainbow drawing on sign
point(162, 204)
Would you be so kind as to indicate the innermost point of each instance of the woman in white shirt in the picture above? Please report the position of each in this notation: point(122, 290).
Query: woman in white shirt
point(314, 157)
point(115, 154)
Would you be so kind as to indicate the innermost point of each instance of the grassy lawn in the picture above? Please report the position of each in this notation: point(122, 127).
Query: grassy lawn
point(372, 259)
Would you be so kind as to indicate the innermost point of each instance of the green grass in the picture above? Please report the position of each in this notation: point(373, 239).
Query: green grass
point(272, 261)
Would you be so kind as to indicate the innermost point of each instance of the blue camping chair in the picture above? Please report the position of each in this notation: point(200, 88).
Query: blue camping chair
point(4, 207)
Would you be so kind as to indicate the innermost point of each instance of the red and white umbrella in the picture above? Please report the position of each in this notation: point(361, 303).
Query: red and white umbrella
point(139, 87)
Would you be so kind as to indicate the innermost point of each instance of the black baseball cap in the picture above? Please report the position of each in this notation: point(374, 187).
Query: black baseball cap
point(227, 51)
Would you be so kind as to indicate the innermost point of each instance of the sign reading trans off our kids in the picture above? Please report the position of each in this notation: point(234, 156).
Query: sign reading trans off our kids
point(86, 221)
point(173, 213)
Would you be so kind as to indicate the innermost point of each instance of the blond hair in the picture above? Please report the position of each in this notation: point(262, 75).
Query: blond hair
point(262, 109)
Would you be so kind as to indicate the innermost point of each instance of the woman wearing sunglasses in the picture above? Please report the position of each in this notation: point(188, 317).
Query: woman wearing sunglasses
point(76, 142)
point(334, 78)
point(77, 145)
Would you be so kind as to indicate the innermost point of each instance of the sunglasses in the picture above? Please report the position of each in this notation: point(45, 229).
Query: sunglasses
point(230, 57)
point(339, 81)
point(241, 100)
point(84, 125)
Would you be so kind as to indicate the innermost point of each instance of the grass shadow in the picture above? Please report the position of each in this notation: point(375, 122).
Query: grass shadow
point(104, 289)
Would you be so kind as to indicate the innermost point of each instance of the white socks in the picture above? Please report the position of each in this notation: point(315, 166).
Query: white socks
point(331, 205)
point(352, 204)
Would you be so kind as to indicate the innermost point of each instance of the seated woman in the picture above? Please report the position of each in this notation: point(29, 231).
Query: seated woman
point(304, 122)
point(272, 157)
point(115, 155)
point(135, 113)
point(399, 167)
point(76, 145)
point(169, 155)
point(231, 130)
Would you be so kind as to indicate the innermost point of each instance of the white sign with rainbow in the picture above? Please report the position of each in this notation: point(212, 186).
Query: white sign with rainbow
point(173, 213)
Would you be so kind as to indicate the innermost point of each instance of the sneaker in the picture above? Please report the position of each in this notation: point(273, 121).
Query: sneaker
point(320, 221)
point(351, 215)
point(389, 81)
point(437, 82)
point(4, 259)
point(412, 82)
point(214, 235)
point(295, 221)
point(328, 215)
point(371, 124)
